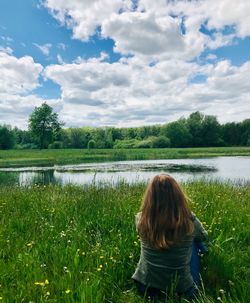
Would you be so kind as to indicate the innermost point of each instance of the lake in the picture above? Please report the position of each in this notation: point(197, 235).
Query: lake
point(234, 169)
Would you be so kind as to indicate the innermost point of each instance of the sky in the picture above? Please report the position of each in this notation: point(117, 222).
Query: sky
point(124, 63)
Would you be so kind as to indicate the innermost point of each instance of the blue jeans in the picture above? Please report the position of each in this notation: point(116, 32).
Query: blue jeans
point(199, 248)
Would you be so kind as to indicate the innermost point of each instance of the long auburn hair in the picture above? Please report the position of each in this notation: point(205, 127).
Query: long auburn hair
point(165, 215)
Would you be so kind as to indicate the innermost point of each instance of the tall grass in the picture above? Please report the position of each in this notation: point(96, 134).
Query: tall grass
point(75, 244)
point(16, 158)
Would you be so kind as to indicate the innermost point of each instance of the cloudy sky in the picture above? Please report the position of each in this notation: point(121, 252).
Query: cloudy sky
point(123, 62)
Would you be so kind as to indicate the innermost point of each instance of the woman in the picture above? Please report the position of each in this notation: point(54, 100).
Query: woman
point(168, 231)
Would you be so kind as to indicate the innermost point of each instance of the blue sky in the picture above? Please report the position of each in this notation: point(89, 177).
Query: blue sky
point(102, 63)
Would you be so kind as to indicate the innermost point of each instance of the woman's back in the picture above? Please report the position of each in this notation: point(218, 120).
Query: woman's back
point(158, 268)
point(167, 229)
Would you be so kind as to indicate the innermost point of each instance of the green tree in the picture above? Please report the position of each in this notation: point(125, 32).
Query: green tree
point(211, 131)
point(7, 137)
point(44, 125)
point(178, 133)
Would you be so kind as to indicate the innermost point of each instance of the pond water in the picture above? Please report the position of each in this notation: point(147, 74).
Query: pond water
point(234, 169)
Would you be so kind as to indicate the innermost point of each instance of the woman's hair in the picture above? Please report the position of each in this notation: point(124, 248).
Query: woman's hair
point(165, 215)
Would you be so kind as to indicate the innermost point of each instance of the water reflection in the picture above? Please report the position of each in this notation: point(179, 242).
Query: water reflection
point(235, 169)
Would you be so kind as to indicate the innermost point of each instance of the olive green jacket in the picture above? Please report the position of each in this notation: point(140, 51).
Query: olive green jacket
point(159, 268)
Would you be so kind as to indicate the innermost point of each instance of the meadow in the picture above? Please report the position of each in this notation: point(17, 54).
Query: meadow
point(20, 158)
point(76, 244)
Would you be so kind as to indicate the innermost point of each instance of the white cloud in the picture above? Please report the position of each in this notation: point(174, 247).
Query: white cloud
point(6, 50)
point(62, 46)
point(18, 75)
point(83, 16)
point(153, 85)
point(211, 57)
point(151, 30)
point(131, 93)
point(45, 48)
point(60, 59)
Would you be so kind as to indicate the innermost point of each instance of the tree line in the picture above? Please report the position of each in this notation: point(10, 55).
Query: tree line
point(198, 130)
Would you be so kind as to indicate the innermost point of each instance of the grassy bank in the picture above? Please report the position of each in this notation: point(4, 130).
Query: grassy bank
point(79, 245)
point(19, 158)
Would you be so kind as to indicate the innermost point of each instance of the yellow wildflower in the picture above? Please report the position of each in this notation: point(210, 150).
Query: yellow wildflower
point(39, 283)
point(46, 282)
point(67, 291)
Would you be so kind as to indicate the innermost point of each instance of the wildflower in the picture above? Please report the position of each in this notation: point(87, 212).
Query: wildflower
point(83, 253)
point(47, 293)
point(65, 269)
point(46, 282)
point(62, 234)
point(101, 257)
point(67, 291)
point(130, 256)
point(30, 244)
point(40, 283)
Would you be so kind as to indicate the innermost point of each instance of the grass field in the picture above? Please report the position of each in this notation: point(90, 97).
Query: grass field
point(74, 244)
point(18, 158)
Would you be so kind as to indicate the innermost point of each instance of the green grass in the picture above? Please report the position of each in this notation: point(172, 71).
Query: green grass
point(18, 158)
point(70, 244)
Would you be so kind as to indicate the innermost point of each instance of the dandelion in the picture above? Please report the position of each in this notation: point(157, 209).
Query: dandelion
point(67, 291)
point(40, 283)
point(100, 267)
point(46, 282)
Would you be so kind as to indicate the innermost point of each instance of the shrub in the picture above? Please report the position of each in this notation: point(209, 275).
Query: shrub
point(56, 145)
point(160, 142)
point(91, 144)
point(130, 143)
